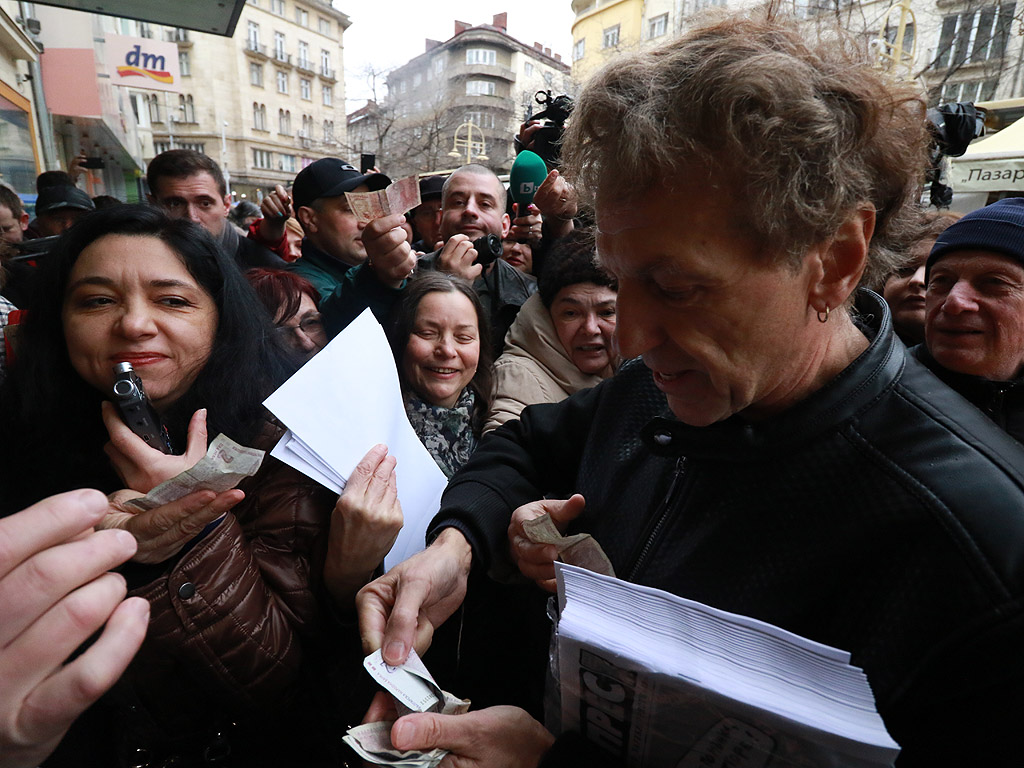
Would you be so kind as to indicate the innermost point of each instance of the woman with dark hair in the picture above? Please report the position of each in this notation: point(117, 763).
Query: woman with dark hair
point(232, 578)
point(292, 301)
point(561, 340)
point(441, 342)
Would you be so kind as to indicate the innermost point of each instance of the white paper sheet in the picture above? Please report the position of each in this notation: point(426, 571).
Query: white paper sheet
point(343, 402)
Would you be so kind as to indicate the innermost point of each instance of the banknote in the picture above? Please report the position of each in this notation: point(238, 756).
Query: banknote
point(223, 467)
point(400, 196)
point(372, 742)
point(579, 549)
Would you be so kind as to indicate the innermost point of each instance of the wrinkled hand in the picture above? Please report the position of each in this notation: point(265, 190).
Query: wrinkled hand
point(401, 609)
point(276, 208)
point(163, 531)
point(526, 228)
point(558, 203)
point(364, 525)
point(537, 561)
point(496, 737)
point(55, 594)
point(141, 467)
point(457, 257)
point(387, 250)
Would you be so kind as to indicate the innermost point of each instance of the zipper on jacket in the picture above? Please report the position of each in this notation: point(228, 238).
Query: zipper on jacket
point(658, 521)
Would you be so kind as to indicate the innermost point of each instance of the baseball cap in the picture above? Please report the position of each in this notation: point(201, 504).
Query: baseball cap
point(55, 198)
point(331, 177)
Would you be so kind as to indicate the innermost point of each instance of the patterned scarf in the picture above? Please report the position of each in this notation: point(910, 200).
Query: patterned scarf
point(446, 433)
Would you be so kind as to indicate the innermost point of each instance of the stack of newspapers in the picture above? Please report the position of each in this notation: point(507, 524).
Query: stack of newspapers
point(657, 680)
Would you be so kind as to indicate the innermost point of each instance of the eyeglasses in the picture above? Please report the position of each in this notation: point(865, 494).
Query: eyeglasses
point(309, 325)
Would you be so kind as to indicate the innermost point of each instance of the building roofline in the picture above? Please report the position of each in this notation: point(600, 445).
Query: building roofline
point(512, 41)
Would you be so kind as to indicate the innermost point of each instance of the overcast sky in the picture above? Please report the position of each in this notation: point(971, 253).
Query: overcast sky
point(387, 33)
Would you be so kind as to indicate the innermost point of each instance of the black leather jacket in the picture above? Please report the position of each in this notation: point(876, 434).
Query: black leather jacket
point(883, 515)
point(1001, 401)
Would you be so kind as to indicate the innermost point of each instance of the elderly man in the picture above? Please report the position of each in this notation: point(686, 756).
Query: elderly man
point(974, 311)
point(190, 185)
point(774, 452)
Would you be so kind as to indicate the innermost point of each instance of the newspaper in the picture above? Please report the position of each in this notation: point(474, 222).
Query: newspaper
point(223, 467)
point(400, 196)
point(662, 682)
point(414, 690)
point(580, 549)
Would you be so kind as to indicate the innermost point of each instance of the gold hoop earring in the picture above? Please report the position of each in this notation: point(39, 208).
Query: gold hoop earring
point(824, 319)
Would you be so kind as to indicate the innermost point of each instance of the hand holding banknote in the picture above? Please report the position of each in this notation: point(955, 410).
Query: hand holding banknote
point(388, 252)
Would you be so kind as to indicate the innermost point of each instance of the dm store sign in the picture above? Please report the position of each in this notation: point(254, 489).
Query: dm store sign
point(141, 63)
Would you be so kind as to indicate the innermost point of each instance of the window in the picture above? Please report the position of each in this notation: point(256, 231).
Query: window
point(307, 127)
point(610, 38)
point(402, 86)
point(481, 56)
point(325, 63)
point(277, 6)
point(259, 117)
point(187, 108)
point(286, 163)
point(261, 158)
point(549, 79)
point(279, 45)
point(301, 17)
point(284, 122)
point(892, 30)
point(256, 74)
point(324, 26)
point(439, 65)
point(578, 49)
point(328, 95)
point(176, 35)
point(974, 36)
point(528, 69)
point(154, 108)
point(184, 64)
point(479, 87)
point(282, 82)
point(303, 54)
point(417, 79)
point(658, 26)
point(328, 130)
point(145, 30)
point(480, 119)
point(161, 146)
point(974, 90)
point(253, 36)
point(305, 89)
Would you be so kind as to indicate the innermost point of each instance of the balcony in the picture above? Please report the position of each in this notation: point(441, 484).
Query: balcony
point(305, 65)
point(328, 72)
point(481, 70)
point(256, 50)
point(282, 58)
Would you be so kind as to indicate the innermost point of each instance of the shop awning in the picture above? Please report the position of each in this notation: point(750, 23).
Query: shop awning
point(992, 164)
point(218, 18)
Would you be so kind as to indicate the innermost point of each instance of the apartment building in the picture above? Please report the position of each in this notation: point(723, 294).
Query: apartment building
point(464, 98)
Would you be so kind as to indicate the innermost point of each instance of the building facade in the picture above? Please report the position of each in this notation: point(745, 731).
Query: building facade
point(462, 100)
point(265, 103)
point(20, 146)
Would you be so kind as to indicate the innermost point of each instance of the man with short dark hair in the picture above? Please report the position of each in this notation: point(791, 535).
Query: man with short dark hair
point(190, 185)
point(58, 208)
point(974, 311)
point(426, 217)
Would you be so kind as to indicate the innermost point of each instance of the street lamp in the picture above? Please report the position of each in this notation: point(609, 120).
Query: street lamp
point(468, 144)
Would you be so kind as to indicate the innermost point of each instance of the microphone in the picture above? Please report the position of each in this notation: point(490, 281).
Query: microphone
point(527, 173)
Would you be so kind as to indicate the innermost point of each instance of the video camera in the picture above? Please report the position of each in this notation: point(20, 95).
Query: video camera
point(547, 140)
point(953, 127)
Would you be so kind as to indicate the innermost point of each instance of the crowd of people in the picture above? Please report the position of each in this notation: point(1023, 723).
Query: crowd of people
point(725, 339)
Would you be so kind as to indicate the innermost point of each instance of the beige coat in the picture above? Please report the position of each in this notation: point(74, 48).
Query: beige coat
point(534, 367)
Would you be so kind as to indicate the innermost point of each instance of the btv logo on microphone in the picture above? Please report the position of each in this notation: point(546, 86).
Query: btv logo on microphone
point(140, 64)
point(526, 188)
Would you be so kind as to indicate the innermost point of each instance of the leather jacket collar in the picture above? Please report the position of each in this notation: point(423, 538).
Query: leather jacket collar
point(856, 387)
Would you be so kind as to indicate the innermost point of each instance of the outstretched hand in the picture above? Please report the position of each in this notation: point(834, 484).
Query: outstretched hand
point(537, 561)
point(54, 594)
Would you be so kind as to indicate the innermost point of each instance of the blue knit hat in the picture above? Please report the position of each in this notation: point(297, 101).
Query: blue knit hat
point(998, 228)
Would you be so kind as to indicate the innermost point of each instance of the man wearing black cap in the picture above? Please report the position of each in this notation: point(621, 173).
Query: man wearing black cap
point(426, 217)
point(974, 311)
point(57, 208)
point(353, 266)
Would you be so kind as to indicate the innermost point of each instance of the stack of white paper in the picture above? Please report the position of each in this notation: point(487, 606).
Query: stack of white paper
point(695, 684)
point(339, 405)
